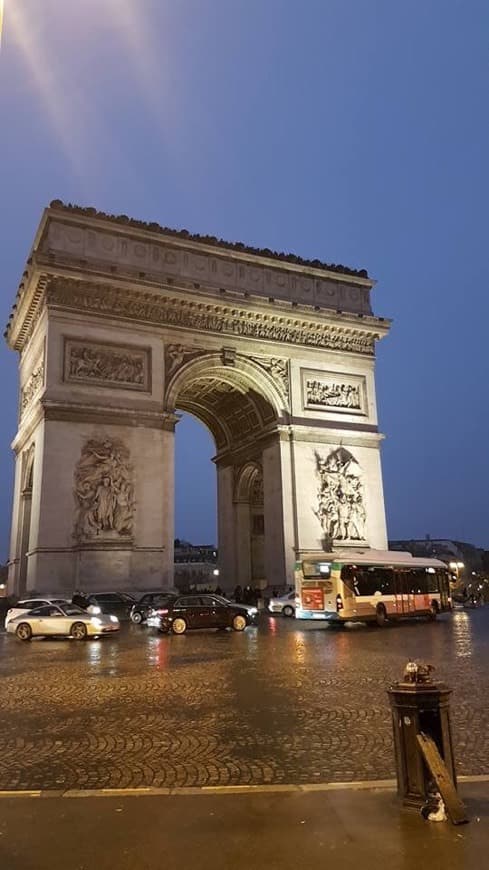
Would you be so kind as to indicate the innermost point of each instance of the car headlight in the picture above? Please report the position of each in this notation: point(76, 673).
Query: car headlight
point(253, 610)
point(113, 619)
point(96, 621)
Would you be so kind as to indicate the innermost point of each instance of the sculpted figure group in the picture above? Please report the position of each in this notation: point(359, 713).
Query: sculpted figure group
point(106, 365)
point(341, 510)
point(335, 395)
point(104, 490)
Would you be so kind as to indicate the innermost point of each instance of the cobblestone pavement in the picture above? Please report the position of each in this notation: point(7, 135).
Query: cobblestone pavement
point(286, 702)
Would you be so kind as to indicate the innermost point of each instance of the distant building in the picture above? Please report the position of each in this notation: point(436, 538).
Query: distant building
point(466, 561)
point(195, 565)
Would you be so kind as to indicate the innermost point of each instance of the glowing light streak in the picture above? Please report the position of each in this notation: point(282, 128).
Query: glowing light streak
point(2, 9)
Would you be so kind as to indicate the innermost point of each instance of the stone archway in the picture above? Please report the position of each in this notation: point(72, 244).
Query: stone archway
point(242, 406)
point(119, 325)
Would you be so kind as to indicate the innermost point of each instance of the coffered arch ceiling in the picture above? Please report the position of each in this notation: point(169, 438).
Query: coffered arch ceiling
point(227, 400)
point(233, 412)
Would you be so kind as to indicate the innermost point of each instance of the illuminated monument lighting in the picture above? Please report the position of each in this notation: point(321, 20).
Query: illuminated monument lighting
point(121, 324)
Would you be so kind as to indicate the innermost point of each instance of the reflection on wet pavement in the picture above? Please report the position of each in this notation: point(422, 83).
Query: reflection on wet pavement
point(285, 702)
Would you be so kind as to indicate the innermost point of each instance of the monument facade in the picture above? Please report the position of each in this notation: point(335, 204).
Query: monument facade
point(119, 326)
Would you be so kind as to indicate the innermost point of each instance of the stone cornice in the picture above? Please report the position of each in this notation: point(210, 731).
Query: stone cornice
point(81, 412)
point(277, 324)
point(340, 436)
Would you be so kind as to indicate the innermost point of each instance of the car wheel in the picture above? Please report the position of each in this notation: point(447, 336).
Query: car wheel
point(381, 616)
point(239, 622)
point(24, 631)
point(137, 617)
point(179, 626)
point(78, 631)
point(288, 610)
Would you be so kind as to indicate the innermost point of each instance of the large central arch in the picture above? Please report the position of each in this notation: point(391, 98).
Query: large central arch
point(119, 326)
point(243, 408)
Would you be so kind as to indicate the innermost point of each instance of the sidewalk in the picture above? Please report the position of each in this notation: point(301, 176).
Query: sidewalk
point(283, 830)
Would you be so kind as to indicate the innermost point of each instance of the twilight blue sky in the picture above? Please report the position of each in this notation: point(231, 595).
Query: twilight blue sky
point(356, 131)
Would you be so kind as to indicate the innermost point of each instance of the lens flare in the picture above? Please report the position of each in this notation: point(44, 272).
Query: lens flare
point(2, 7)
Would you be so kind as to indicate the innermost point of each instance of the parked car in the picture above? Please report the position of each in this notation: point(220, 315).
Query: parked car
point(119, 603)
point(66, 620)
point(184, 612)
point(30, 604)
point(149, 601)
point(284, 605)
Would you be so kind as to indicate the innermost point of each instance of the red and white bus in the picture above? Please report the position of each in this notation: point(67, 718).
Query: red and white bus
point(370, 586)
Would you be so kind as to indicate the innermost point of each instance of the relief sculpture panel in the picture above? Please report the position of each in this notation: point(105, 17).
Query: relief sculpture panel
point(104, 491)
point(107, 365)
point(341, 508)
point(334, 392)
point(32, 386)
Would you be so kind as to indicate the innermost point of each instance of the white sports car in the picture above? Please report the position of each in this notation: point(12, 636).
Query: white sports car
point(31, 604)
point(65, 620)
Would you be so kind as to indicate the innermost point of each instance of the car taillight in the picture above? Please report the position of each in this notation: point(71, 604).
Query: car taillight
point(339, 602)
point(160, 612)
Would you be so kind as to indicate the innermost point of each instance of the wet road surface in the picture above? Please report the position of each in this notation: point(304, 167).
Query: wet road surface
point(286, 702)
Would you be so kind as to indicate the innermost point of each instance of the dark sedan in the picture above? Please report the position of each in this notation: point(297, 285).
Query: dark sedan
point(148, 602)
point(184, 612)
point(119, 603)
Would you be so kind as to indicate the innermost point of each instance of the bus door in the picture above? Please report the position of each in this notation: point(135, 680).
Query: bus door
point(444, 587)
point(405, 601)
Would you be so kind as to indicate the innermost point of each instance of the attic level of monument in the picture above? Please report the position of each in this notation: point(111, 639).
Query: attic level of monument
point(83, 259)
point(120, 326)
point(237, 247)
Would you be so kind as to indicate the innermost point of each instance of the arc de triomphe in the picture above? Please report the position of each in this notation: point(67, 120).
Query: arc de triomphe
point(121, 324)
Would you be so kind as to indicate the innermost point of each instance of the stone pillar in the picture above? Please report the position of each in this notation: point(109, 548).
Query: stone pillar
point(61, 559)
point(226, 527)
point(350, 463)
point(279, 513)
point(243, 542)
point(13, 584)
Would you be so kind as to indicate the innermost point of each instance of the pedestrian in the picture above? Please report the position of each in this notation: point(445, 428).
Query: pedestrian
point(218, 590)
point(80, 599)
point(238, 594)
point(248, 595)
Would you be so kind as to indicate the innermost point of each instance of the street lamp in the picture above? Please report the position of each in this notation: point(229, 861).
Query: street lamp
point(457, 568)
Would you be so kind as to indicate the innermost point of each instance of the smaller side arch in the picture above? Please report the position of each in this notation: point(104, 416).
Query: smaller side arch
point(245, 479)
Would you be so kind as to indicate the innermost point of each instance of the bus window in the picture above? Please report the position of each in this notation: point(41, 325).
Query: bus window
point(419, 581)
point(316, 570)
point(368, 580)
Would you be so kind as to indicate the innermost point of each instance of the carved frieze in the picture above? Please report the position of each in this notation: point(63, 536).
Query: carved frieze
point(341, 506)
point(277, 368)
point(32, 386)
point(206, 316)
point(107, 365)
point(104, 491)
point(334, 392)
